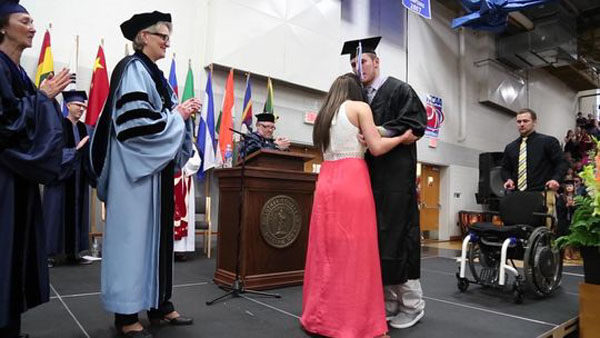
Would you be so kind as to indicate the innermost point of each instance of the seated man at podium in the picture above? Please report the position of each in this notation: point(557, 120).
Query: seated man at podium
point(262, 138)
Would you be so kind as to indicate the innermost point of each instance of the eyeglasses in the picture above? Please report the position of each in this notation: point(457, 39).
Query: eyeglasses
point(164, 37)
point(267, 126)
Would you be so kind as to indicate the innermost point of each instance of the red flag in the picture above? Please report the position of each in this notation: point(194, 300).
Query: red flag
point(225, 134)
point(98, 89)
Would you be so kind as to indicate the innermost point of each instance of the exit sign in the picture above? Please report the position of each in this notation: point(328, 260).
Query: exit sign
point(310, 117)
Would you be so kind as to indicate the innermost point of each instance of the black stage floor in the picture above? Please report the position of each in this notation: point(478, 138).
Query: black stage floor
point(75, 309)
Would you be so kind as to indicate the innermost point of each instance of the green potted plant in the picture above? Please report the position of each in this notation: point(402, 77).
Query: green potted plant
point(584, 232)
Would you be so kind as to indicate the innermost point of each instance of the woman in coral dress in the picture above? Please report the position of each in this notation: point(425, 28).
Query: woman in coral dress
point(342, 294)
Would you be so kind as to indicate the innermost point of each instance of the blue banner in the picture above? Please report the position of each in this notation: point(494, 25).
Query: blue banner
point(421, 7)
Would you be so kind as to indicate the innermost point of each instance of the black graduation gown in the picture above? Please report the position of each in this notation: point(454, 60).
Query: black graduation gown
point(254, 141)
point(65, 201)
point(397, 107)
point(31, 134)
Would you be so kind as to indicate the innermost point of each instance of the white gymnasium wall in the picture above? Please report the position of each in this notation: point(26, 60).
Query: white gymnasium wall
point(292, 40)
point(96, 20)
point(297, 43)
point(433, 68)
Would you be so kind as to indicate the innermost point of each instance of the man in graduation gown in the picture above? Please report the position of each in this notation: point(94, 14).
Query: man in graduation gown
point(141, 137)
point(262, 138)
point(396, 110)
point(30, 154)
point(65, 201)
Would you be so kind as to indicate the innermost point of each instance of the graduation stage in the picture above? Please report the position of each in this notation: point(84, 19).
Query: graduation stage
point(75, 309)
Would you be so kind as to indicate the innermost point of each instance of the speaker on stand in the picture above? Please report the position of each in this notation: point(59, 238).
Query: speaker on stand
point(491, 185)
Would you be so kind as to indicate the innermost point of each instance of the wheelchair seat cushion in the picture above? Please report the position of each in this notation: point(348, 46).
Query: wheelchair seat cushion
point(485, 229)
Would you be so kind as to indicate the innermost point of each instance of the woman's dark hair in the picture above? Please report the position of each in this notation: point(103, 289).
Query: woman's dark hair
point(345, 87)
point(3, 23)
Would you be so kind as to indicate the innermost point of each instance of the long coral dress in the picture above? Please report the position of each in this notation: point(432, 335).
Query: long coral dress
point(343, 293)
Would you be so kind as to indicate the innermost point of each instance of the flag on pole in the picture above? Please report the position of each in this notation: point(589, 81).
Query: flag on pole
point(247, 107)
point(225, 134)
point(45, 62)
point(268, 107)
point(188, 90)
point(173, 77)
point(98, 88)
point(206, 141)
point(73, 65)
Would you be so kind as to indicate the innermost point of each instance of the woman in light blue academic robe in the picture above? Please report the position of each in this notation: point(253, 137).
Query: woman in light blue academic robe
point(142, 135)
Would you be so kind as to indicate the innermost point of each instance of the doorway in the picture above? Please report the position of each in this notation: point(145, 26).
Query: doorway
point(428, 180)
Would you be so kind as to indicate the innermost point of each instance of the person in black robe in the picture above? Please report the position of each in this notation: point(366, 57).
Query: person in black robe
point(65, 201)
point(397, 110)
point(30, 154)
point(262, 138)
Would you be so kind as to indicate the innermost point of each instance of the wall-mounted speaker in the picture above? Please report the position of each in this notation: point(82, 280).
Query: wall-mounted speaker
point(491, 185)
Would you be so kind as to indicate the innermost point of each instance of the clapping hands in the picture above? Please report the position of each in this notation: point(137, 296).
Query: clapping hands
point(283, 143)
point(189, 107)
point(54, 84)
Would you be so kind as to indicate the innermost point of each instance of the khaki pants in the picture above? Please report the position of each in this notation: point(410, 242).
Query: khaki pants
point(550, 206)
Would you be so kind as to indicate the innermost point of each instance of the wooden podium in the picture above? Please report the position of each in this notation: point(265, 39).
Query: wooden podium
point(278, 198)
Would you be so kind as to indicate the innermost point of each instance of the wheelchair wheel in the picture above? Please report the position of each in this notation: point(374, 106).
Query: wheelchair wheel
point(483, 264)
point(517, 292)
point(542, 263)
point(462, 283)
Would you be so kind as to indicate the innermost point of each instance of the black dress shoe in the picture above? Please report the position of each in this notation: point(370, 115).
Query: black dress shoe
point(177, 321)
point(23, 335)
point(136, 334)
point(181, 257)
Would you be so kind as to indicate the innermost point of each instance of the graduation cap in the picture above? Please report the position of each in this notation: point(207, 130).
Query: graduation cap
point(11, 6)
point(265, 117)
point(131, 27)
point(368, 46)
point(74, 96)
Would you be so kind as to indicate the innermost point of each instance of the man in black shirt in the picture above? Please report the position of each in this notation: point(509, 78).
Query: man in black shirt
point(534, 162)
point(545, 162)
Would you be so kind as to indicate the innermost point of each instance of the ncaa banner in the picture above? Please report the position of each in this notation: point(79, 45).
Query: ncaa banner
point(435, 116)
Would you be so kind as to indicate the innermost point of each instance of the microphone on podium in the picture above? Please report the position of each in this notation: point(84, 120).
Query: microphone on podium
point(238, 132)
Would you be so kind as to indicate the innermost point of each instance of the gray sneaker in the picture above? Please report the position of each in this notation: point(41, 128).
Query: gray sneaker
point(391, 310)
point(406, 320)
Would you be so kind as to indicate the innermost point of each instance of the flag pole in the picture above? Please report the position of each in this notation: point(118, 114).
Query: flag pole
point(76, 57)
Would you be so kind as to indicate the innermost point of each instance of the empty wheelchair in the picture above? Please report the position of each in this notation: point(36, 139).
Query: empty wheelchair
point(489, 250)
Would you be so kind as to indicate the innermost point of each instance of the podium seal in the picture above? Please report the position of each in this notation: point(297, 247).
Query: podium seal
point(280, 221)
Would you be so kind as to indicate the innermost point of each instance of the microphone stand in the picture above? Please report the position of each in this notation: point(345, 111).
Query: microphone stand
point(236, 289)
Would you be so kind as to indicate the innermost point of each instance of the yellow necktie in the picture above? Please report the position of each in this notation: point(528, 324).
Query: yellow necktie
point(522, 180)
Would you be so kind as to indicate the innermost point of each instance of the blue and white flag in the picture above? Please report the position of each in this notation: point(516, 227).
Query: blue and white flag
point(421, 7)
point(206, 142)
